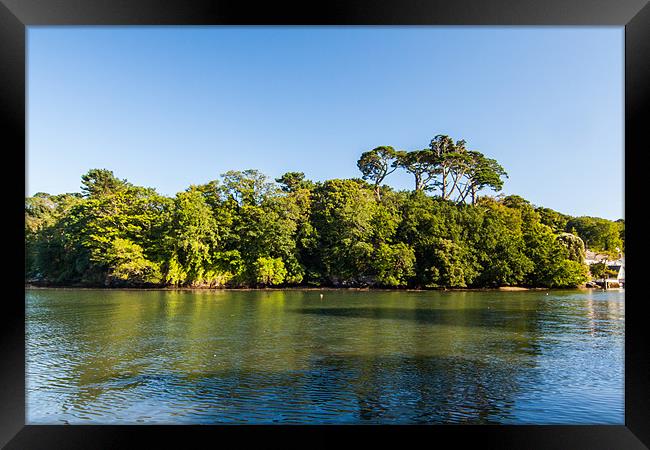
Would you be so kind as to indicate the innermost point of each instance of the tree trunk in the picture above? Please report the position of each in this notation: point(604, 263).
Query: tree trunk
point(444, 184)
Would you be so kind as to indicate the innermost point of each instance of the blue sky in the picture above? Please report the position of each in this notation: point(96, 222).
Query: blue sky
point(167, 107)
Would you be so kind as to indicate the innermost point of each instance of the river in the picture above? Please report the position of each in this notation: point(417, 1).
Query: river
point(350, 357)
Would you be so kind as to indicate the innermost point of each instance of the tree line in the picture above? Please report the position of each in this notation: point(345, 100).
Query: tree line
point(245, 230)
point(448, 166)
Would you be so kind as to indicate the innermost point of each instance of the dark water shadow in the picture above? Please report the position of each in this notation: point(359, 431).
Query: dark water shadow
point(331, 389)
point(520, 320)
point(421, 389)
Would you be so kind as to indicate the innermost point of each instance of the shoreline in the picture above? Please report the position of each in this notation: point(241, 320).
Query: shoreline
point(306, 288)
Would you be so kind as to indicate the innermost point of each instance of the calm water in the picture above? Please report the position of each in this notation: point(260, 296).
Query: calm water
point(352, 357)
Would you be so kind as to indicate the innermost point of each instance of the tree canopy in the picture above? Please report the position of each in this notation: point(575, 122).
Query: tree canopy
point(246, 230)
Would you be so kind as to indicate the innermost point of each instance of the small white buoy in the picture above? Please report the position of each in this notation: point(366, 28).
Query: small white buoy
point(321, 296)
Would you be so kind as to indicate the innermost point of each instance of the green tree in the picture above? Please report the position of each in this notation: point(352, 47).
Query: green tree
point(128, 265)
point(552, 266)
point(53, 249)
point(99, 182)
point(446, 159)
point(265, 222)
point(342, 216)
point(557, 221)
point(394, 264)
point(439, 233)
point(377, 164)
point(598, 270)
point(479, 173)
point(422, 164)
point(574, 245)
point(243, 230)
point(621, 228)
point(293, 181)
point(194, 242)
point(249, 187)
point(500, 245)
point(270, 271)
point(451, 266)
point(598, 234)
point(132, 213)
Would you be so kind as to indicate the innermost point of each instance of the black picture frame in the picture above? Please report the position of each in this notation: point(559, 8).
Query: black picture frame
point(16, 15)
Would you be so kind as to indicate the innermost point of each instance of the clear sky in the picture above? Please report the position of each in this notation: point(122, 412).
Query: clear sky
point(167, 107)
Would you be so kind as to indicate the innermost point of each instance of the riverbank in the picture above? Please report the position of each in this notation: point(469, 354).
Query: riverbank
point(304, 288)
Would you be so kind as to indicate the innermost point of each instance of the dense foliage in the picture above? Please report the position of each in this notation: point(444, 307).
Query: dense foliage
point(245, 230)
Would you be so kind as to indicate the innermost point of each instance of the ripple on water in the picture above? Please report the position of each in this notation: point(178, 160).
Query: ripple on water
point(285, 357)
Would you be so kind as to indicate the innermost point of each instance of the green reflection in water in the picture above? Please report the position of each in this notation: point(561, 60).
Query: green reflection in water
point(350, 357)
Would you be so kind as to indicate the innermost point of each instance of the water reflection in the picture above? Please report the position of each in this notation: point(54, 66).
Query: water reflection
point(352, 357)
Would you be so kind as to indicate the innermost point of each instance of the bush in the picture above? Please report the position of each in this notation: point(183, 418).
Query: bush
point(270, 271)
point(129, 265)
